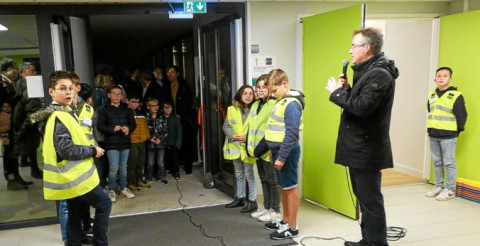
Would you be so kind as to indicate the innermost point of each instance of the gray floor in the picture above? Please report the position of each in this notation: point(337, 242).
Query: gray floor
point(429, 222)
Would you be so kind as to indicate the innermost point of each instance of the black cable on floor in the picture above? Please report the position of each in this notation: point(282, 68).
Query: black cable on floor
point(200, 227)
point(395, 233)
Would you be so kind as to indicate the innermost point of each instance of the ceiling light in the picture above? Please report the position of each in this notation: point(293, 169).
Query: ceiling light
point(180, 15)
point(3, 28)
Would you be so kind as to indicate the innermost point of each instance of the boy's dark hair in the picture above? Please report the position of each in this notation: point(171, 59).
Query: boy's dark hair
point(58, 75)
point(86, 91)
point(167, 103)
point(445, 68)
point(131, 96)
point(114, 87)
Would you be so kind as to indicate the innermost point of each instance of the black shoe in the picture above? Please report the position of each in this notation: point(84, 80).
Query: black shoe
point(87, 240)
point(250, 207)
point(362, 242)
point(23, 181)
point(164, 181)
point(36, 174)
point(16, 185)
point(238, 202)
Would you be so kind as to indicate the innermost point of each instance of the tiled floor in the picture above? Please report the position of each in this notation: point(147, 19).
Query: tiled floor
point(429, 222)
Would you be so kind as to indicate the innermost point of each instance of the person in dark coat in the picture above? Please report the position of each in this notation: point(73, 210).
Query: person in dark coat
point(178, 91)
point(150, 89)
point(363, 142)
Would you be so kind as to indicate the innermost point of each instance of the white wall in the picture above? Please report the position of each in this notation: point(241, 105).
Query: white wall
point(408, 42)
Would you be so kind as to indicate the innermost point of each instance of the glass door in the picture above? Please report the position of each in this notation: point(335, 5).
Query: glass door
point(221, 56)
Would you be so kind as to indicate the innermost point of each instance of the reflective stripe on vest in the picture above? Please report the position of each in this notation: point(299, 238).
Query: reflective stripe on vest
point(233, 150)
point(85, 118)
point(276, 123)
point(257, 126)
point(441, 111)
point(66, 179)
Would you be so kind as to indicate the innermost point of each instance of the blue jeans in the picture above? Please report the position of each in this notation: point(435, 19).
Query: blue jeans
point(62, 218)
point(443, 155)
point(97, 199)
point(160, 154)
point(244, 172)
point(118, 163)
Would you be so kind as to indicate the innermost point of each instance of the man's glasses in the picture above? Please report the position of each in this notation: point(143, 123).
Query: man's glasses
point(356, 46)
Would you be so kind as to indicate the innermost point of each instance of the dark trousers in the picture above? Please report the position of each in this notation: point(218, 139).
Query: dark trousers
point(10, 163)
point(366, 185)
point(271, 195)
point(102, 166)
point(102, 204)
point(135, 163)
point(171, 159)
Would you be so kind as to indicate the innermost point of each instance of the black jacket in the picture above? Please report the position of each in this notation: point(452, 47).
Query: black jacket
point(108, 118)
point(363, 136)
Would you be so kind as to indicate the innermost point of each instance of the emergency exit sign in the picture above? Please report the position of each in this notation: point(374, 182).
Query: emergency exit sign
point(194, 7)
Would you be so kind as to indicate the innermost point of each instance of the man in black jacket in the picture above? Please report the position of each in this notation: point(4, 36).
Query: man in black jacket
point(363, 142)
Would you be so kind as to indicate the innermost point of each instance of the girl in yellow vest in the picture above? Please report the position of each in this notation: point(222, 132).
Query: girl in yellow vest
point(235, 128)
point(256, 146)
point(69, 171)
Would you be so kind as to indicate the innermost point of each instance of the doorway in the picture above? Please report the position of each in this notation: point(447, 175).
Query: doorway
point(127, 36)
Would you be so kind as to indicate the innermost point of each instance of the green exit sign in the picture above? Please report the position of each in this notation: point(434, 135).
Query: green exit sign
point(194, 7)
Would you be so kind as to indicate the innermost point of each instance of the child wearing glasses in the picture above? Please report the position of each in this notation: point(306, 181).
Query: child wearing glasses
point(138, 137)
point(157, 125)
point(116, 122)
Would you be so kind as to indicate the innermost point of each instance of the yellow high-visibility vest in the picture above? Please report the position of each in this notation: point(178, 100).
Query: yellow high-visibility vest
point(68, 178)
point(233, 150)
point(86, 121)
point(276, 123)
point(441, 111)
point(258, 125)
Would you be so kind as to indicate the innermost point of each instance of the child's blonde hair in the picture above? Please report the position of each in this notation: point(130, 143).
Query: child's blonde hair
point(276, 77)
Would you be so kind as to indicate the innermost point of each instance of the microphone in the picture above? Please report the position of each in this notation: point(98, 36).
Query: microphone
point(345, 65)
point(344, 71)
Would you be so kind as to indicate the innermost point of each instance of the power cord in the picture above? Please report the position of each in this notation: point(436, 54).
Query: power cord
point(200, 227)
point(394, 233)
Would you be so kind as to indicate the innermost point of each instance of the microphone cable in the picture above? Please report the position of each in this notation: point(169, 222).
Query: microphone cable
point(200, 227)
point(394, 233)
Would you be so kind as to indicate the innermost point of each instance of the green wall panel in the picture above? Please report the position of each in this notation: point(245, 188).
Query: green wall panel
point(459, 48)
point(327, 39)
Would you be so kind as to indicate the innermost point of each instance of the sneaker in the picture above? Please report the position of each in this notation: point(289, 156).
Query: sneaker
point(259, 213)
point(270, 216)
point(112, 195)
point(285, 231)
point(445, 195)
point(434, 192)
point(274, 225)
point(163, 181)
point(127, 193)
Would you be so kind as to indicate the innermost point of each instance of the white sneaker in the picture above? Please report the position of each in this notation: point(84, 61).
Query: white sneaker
point(434, 192)
point(127, 193)
point(445, 195)
point(112, 195)
point(259, 213)
point(270, 216)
